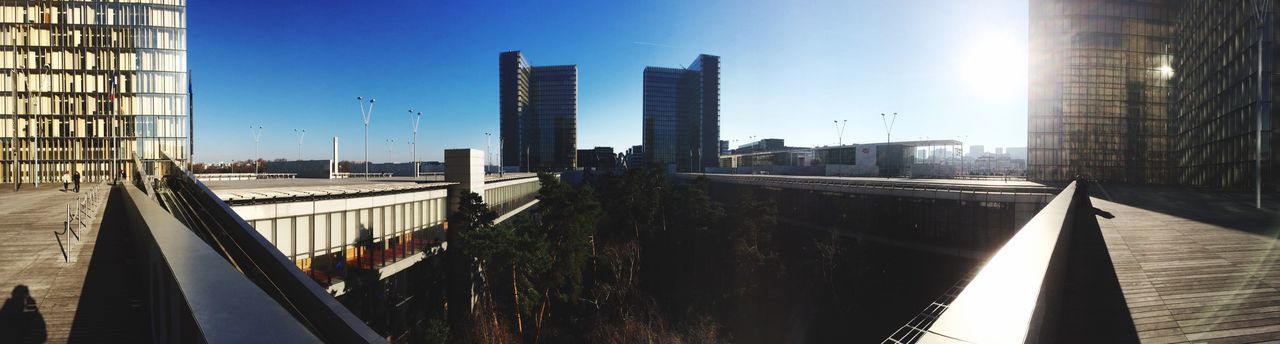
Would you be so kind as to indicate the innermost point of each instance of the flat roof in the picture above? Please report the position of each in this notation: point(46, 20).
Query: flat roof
point(275, 190)
point(991, 185)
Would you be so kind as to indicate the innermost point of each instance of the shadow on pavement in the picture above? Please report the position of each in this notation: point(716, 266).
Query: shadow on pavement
point(20, 319)
point(111, 299)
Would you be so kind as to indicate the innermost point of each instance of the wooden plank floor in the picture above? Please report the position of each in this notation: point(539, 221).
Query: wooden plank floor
point(30, 255)
point(1194, 281)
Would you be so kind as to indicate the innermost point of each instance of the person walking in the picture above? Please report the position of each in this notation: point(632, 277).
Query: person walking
point(66, 179)
point(75, 178)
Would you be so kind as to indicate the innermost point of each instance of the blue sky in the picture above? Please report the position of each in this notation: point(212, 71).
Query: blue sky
point(789, 68)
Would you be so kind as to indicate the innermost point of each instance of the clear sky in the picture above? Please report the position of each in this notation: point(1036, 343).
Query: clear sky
point(789, 68)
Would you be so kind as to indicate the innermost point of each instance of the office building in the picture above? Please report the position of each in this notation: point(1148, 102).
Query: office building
point(1099, 81)
point(597, 159)
point(682, 115)
point(89, 85)
point(976, 150)
point(1215, 95)
point(1152, 92)
point(635, 157)
point(538, 106)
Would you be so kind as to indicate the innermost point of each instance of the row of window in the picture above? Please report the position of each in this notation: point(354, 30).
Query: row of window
point(141, 13)
point(303, 237)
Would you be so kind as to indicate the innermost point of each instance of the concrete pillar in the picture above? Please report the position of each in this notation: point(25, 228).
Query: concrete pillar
point(333, 164)
point(465, 167)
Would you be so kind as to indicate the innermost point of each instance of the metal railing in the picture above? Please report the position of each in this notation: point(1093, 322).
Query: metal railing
point(193, 295)
point(238, 243)
point(340, 175)
point(80, 213)
point(244, 176)
point(1014, 297)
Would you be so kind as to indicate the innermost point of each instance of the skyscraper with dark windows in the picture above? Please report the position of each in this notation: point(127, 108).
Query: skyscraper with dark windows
point(1153, 92)
point(90, 85)
point(1098, 94)
point(681, 123)
point(1215, 117)
point(539, 114)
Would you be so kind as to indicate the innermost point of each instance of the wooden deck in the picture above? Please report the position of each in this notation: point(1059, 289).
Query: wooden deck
point(1193, 270)
point(30, 255)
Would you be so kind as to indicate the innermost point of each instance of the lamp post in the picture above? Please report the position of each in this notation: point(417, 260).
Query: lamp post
point(840, 131)
point(1262, 15)
point(366, 115)
point(415, 119)
point(888, 126)
point(486, 150)
point(391, 158)
point(257, 137)
point(301, 133)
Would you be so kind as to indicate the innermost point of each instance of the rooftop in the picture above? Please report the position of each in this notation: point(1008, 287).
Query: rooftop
point(278, 189)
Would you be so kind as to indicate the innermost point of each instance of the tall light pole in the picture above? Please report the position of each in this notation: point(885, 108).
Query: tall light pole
point(1262, 14)
point(366, 115)
point(301, 133)
point(486, 151)
point(888, 126)
point(840, 131)
point(415, 119)
point(391, 158)
point(257, 138)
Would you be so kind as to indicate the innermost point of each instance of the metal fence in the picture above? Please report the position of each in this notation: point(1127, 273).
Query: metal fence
point(80, 213)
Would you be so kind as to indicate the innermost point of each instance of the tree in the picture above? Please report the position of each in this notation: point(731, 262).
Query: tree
point(472, 215)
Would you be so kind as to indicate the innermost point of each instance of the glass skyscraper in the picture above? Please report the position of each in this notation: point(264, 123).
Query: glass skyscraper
point(88, 83)
point(681, 128)
point(1215, 95)
point(539, 114)
point(1099, 90)
point(1151, 92)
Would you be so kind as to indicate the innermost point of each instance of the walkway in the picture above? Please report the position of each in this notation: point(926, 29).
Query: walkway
point(30, 254)
point(1195, 266)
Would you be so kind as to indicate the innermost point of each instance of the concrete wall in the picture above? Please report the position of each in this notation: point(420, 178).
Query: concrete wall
point(303, 168)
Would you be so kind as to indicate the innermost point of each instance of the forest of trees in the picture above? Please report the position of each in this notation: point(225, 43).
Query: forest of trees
point(639, 258)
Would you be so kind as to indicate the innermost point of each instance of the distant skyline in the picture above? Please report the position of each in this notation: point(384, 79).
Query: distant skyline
point(949, 68)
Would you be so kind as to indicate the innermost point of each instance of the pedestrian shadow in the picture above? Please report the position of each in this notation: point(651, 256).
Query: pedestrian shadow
point(20, 319)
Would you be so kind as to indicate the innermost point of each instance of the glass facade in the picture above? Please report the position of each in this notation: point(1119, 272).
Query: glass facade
point(681, 123)
point(88, 82)
point(539, 114)
point(1215, 113)
point(1099, 90)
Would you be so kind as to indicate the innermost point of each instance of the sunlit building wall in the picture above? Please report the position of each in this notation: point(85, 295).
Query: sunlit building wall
point(1099, 90)
point(88, 82)
point(1215, 95)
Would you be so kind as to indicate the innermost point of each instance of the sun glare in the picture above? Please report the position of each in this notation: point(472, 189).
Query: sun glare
point(994, 67)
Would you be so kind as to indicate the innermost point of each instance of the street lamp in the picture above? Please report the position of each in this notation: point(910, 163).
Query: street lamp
point(1262, 14)
point(840, 131)
point(888, 126)
point(365, 115)
point(391, 158)
point(415, 119)
point(301, 133)
point(257, 137)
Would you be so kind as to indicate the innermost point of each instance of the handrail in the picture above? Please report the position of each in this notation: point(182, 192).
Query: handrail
point(332, 320)
point(85, 205)
point(214, 302)
point(1012, 297)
